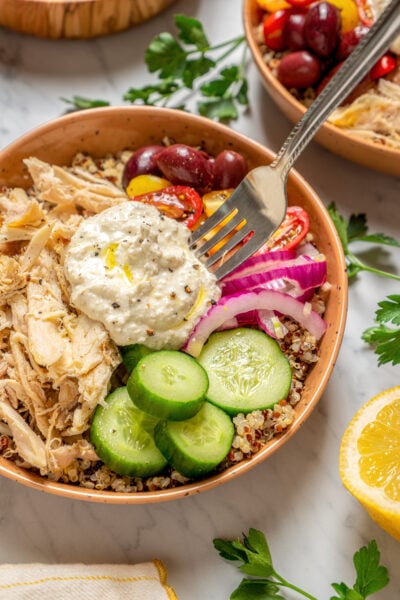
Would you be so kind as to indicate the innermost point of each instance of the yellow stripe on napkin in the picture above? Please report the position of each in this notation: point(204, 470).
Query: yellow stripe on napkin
point(145, 581)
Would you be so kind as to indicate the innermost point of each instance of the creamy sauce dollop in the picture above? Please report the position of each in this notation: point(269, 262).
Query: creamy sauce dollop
point(131, 268)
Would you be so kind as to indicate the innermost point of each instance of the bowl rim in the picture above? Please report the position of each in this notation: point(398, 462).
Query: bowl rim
point(33, 480)
point(249, 7)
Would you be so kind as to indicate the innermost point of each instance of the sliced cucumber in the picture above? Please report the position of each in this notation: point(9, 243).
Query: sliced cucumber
point(246, 369)
point(122, 435)
point(196, 446)
point(169, 385)
point(132, 354)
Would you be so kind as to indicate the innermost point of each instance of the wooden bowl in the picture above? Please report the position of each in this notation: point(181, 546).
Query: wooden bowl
point(104, 130)
point(363, 152)
point(79, 19)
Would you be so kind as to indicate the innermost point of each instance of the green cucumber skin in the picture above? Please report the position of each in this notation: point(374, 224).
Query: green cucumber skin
point(144, 463)
point(132, 354)
point(162, 407)
point(228, 400)
point(184, 459)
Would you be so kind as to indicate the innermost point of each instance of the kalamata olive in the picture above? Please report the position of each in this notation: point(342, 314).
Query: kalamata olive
point(299, 69)
point(349, 40)
point(142, 162)
point(293, 31)
point(229, 169)
point(326, 79)
point(184, 165)
point(322, 28)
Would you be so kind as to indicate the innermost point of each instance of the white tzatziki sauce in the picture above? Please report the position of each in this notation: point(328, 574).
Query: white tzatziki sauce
point(131, 268)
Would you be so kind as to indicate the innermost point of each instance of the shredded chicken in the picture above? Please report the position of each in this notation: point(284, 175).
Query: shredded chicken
point(375, 115)
point(55, 364)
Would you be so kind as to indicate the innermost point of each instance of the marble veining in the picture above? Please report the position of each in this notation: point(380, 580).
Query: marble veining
point(313, 525)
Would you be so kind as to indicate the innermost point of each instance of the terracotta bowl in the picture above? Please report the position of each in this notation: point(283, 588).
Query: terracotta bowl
point(100, 131)
point(368, 154)
point(79, 19)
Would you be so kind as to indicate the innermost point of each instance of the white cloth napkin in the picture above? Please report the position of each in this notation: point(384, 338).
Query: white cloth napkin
point(145, 581)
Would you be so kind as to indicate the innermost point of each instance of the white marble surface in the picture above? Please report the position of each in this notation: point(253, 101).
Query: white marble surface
point(296, 497)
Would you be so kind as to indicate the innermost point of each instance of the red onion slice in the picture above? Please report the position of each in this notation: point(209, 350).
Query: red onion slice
point(242, 302)
point(300, 276)
point(260, 263)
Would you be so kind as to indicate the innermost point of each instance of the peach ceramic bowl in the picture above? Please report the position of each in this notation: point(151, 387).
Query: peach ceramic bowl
point(363, 152)
point(100, 131)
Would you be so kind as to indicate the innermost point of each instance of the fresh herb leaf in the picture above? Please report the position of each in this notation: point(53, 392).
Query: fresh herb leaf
point(181, 63)
point(356, 230)
point(256, 590)
point(385, 339)
point(148, 93)
point(80, 103)
point(371, 576)
point(165, 55)
point(253, 551)
point(345, 593)
point(191, 32)
point(218, 109)
point(196, 68)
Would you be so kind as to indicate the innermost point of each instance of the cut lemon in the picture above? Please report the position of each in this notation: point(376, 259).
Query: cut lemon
point(370, 459)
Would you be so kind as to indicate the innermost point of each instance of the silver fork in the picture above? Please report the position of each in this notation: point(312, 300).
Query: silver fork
point(259, 202)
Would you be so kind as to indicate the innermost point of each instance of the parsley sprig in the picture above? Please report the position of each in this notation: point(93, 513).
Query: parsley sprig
point(181, 63)
point(386, 339)
point(356, 230)
point(383, 337)
point(265, 583)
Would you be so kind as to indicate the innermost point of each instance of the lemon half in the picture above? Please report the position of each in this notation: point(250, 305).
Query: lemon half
point(369, 462)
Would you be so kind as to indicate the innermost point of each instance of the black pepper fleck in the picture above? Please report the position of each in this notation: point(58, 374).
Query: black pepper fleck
point(115, 305)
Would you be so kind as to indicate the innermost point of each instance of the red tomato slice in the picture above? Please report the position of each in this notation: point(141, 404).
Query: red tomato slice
point(291, 232)
point(179, 202)
point(273, 29)
point(300, 3)
point(385, 65)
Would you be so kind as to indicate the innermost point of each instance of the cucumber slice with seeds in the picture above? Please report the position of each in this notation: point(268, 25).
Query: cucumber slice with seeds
point(122, 435)
point(196, 446)
point(246, 369)
point(169, 385)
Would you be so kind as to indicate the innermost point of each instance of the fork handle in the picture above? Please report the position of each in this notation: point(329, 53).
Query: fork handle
point(368, 51)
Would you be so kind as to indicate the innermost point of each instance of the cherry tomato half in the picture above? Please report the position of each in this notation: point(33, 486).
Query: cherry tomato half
point(385, 65)
point(291, 232)
point(179, 202)
point(300, 3)
point(273, 29)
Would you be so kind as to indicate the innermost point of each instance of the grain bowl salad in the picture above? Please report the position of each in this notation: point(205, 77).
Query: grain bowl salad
point(304, 43)
point(124, 364)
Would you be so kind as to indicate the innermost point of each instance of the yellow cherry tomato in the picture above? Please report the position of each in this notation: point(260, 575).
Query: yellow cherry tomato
point(143, 184)
point(273, 5)
point(213, 200)
point(348, 12)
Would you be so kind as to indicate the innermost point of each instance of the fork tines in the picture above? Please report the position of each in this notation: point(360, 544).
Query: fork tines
point(228, 236)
